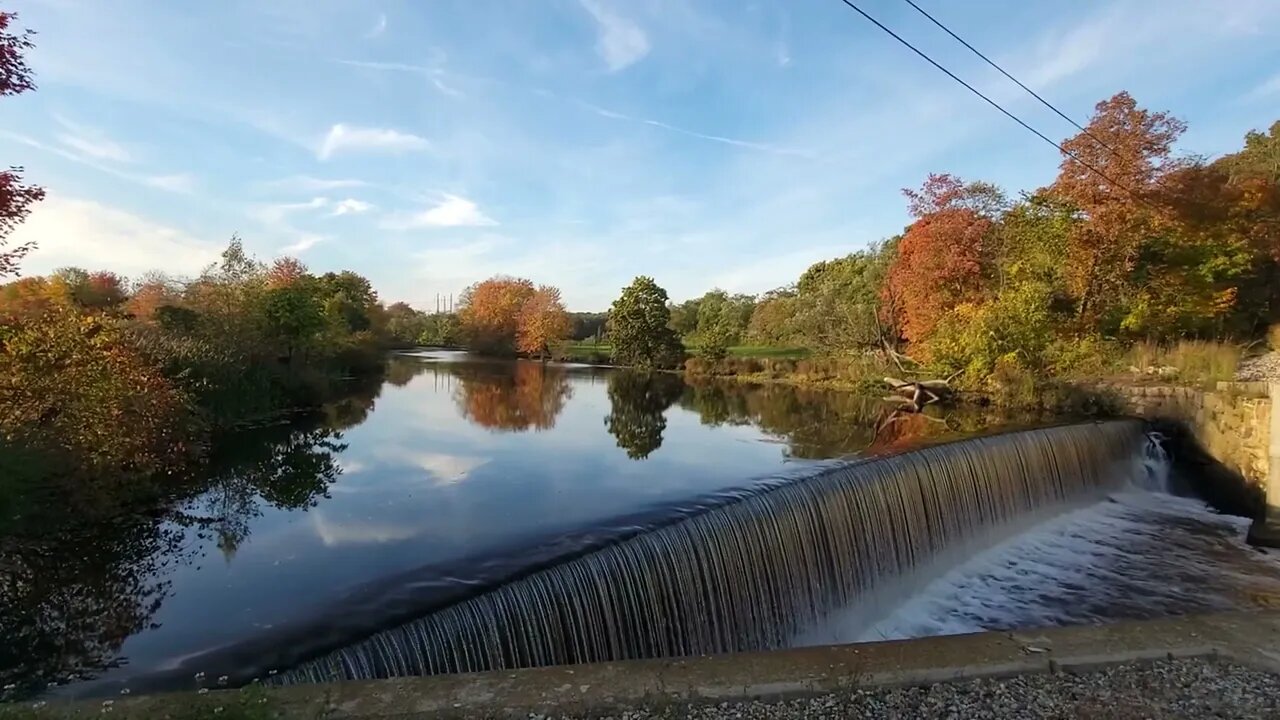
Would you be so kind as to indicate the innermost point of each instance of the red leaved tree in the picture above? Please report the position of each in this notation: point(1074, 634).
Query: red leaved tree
point(16, 198)
point(285, 271)
point(941, 256)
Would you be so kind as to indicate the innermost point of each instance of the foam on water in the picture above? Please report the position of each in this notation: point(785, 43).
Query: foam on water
point(1137, 554)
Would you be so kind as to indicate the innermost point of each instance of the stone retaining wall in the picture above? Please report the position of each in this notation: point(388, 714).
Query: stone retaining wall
point(1236, 426)
point(1232, 423)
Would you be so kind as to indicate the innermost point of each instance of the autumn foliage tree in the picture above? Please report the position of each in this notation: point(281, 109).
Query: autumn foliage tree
point(16, 197)
point(1111, 176)
point(506, 315)
point(285, 271)
point(542, 322)
point(490, 313)
point(940, 259)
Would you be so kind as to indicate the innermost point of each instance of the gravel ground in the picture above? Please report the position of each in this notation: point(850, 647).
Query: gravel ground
point(1262, 367)
point(1171, 689)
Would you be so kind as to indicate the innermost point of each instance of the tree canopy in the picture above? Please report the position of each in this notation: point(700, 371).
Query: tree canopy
point(639, 327)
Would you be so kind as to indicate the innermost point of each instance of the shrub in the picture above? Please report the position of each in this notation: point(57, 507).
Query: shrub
point(74, 385)
point(973, 337)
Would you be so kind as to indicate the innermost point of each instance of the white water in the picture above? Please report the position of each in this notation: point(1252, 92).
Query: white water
point(1139, 553)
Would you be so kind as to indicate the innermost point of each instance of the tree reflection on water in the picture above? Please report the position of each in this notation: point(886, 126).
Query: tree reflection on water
point(511, 397)
point(638, 404)
point(83, 566)
point(86, 566)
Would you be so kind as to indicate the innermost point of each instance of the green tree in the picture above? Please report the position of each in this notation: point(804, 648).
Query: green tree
point(405, 325)
point(723, 316)
point(1260, 157)
point(773, 321)
point(713, 345)
point(838, 304)
point(684, 317)
point(639, 327)
point(294, 316)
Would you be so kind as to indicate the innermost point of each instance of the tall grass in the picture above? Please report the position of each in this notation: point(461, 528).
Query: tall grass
point(1195, 361)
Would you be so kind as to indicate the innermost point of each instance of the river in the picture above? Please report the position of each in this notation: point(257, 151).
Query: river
point(456, 470)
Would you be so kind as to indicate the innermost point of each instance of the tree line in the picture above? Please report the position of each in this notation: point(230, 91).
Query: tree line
point(1130, 243)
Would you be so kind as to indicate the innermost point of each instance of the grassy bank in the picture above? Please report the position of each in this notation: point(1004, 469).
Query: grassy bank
point(1070, 388)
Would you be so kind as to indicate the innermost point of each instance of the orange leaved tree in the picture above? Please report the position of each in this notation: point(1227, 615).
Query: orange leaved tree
point(490, 313)
point(1133, 148)
point(542, 322)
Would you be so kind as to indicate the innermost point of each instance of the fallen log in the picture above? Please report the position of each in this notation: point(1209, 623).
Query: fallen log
point(917, 394)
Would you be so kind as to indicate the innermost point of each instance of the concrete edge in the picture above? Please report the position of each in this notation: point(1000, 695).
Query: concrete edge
point(1247, 638)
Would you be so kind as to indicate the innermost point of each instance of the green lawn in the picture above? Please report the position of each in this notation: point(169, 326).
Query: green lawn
point(583, 350)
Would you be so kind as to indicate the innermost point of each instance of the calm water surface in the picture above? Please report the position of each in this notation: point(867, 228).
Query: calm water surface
point(449, 461)
point(435, 478)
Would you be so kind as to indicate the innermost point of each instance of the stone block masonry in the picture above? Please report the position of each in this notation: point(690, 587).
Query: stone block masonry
point(1235, 460)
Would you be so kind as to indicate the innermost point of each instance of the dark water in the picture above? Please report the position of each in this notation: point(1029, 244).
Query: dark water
point(421, 491)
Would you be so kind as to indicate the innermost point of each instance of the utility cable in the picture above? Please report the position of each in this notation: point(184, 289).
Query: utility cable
point(1015, 80)
point(995, 104)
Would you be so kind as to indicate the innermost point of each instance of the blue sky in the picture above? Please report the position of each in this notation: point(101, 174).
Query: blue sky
point(431, 143)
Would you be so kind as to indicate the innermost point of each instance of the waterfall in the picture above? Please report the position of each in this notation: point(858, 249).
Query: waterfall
point(752, 574)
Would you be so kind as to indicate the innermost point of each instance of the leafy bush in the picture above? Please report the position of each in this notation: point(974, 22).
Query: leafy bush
point(973, 338)
point(75, 383)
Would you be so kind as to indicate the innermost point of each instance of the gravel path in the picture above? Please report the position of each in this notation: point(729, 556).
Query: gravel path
point(1171, 689)
point(1260, 368)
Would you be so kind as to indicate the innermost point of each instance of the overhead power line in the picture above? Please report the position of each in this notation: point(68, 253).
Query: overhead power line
point(993, 103)
point(1015, 80)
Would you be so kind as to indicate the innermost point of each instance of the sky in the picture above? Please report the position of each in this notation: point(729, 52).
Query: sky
point(429, 144)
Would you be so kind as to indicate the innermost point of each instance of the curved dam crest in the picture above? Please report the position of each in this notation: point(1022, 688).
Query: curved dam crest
point(758, 571)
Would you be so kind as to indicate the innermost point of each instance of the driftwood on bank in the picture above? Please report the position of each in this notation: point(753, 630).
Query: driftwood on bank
point(914, 396)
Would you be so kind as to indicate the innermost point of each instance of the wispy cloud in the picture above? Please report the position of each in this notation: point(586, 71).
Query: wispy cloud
point(346, 138)
point(446, 89)
point(272, 213)
point(90, 142)
point(763, 147)
point(619, 41)
point(390, 66)
point(304, 243)
point(178, 183)
point(350, 206)
point(378, 28)
point(1267, 88)
point(309, 184)
point(451, 211)
point(433, 72)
